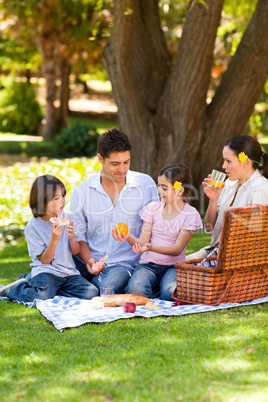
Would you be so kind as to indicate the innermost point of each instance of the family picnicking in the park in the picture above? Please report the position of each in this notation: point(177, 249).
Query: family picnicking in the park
point(124, 232)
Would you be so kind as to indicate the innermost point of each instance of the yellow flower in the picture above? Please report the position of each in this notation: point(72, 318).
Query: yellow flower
point(242, 157)
point(177, 185)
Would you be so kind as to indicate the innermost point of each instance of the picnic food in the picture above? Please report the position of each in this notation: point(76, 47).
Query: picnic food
point(97, 265)
point(119, 300)
point(122, 228)
point(129, 307)
point(59, 221)
point(151, 306)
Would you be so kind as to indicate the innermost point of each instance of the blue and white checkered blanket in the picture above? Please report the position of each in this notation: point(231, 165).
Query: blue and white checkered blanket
point(69, 312)
point(66, 312)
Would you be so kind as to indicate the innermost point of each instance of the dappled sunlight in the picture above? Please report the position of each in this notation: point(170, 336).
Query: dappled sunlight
point(16, 181)
point(35, 359)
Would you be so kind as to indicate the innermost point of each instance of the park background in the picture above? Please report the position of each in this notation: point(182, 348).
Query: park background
point(180, 78)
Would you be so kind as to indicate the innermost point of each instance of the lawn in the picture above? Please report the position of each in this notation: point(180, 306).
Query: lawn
point(46, 148)
point(214, 356)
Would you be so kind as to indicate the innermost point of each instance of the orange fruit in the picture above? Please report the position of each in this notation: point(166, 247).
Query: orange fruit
point(122, 228)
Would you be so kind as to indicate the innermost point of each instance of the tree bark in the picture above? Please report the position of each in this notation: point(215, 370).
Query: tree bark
point(241, 87)
point(138, 64)
point(64, 93)
point(48, 47)
point(163, 106)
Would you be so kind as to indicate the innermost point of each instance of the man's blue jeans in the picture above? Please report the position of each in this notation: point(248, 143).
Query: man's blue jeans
point(46, 286)
point(152, 280)
point(118, 276)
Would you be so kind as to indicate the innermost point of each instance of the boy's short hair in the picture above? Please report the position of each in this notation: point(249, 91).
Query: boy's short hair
point(43, 190)
point(113, 141)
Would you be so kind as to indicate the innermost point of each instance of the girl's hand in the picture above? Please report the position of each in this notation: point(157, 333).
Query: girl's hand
point(137, 248)
point(56, 232)
point(118, 237)
point(69, 230)
point(211, 192)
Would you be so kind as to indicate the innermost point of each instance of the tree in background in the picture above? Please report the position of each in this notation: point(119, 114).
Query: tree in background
point(164, 97)
point(61, 30)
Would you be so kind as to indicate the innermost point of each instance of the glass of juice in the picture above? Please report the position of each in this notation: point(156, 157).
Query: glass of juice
point(217, 179)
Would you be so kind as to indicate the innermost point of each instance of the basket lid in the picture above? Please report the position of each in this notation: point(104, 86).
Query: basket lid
point(244, 238)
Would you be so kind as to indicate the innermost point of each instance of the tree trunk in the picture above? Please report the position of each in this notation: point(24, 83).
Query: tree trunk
point(51, 88)
point(64, 93)
point(162, 107)
point(48, 46)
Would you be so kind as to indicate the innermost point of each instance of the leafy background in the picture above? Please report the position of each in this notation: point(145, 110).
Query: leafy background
point(15, 184)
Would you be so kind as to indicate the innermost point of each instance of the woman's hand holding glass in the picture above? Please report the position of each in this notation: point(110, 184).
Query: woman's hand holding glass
point(211, 192)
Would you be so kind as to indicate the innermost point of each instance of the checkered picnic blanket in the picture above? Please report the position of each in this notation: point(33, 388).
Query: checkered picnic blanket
point(70, 312)
point(65, 312)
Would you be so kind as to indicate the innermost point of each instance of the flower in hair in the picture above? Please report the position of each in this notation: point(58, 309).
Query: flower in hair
point(177, 185)
point(242, 157)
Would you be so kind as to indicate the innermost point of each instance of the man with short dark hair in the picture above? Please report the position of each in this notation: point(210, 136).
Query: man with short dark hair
point(113, 195)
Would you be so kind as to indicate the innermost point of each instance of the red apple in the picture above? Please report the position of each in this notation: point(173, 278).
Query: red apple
point(129, 307)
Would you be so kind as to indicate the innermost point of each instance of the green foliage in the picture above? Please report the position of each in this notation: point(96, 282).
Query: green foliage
point(16, 181)
point(20, 111)
point(18, 55)
point(258, 122)
point(79, 140)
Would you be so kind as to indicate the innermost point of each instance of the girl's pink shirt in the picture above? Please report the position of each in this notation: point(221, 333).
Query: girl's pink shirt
point(165, 233)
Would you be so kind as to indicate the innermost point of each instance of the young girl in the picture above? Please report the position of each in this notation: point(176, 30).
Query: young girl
point(51, 247)
point(168, 226)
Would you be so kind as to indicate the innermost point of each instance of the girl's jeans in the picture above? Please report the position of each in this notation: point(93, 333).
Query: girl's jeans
point(152, 280)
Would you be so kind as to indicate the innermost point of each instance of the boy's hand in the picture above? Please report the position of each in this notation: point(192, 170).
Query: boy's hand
point(69, 230)
point(56, 232)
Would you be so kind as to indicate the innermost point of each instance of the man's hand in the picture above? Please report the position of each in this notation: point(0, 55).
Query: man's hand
point(93, 268)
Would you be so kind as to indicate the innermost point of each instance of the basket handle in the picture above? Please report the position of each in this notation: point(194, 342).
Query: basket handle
point(265, 271)
point(218, 302)
point(261, 208)
point(225, 290)
point(174, 294)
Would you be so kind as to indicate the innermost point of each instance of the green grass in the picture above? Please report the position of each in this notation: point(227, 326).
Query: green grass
point(47, 147)
point(28, 149)
point(214, 356)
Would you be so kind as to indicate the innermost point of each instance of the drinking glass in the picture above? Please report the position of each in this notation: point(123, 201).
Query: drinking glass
point(106, 291)
point(217, 179)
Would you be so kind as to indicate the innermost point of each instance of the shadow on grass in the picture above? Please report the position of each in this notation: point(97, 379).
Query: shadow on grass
point(201, 357)
point(153, 359)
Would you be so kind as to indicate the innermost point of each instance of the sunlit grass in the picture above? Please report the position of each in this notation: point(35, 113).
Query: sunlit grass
point(214, 356)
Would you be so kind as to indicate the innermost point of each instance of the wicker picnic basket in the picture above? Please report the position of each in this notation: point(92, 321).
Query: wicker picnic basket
point(241, 272)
